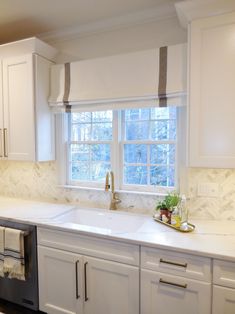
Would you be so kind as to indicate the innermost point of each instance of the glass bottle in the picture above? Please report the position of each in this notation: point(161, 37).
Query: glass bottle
point(184, 213)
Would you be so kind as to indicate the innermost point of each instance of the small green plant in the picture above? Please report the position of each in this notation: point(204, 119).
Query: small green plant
point(169, 202)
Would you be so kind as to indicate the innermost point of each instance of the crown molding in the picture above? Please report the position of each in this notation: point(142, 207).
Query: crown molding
point(188, 11)
point(161, 12)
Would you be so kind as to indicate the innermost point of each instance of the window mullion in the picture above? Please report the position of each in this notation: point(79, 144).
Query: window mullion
point(89, 142)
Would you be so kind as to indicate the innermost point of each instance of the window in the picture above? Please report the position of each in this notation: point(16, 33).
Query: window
point(149, 146)
point(139, 145)
point(90, 141)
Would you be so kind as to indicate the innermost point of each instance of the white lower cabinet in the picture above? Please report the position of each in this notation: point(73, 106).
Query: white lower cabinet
point(71, 283)
point(223, 300)
point(60, 286)
point(224, 287)
point(81, 274)
point(174, 282)
point(111, 287)
point(168, 294)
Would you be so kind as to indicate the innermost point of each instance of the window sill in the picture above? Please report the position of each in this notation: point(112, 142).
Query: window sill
point(72, 187)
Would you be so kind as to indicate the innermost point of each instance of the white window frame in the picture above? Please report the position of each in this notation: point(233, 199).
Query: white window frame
point(85, 183)
point(116, 158)
point(146, 188)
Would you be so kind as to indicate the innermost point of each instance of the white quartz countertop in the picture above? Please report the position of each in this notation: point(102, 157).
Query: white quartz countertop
point(27, 210)
point(214, 239)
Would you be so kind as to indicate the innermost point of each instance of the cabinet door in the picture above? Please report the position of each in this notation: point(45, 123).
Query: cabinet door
point(110, 287)
point(18, 102)
point(1, 114)
point(223, 300)
point(167, 294)
point(60, 281)
point(212, 92)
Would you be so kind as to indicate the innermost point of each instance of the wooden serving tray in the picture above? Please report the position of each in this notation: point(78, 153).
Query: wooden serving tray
point(189, 228)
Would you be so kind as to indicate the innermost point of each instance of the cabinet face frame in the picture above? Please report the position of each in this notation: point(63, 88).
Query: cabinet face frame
point(44, 118)
point(211, 135)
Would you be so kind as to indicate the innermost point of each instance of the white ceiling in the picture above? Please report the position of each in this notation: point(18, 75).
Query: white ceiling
point(24, 18)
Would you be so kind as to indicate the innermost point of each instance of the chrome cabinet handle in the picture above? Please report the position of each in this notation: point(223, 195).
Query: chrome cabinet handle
point(173, 263)
point(76, 273)
point(1, 143)
point(172, 283)
point(5, 142)
point(85, 280)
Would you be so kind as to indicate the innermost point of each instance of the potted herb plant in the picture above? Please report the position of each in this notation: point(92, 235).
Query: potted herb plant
point(166, 206)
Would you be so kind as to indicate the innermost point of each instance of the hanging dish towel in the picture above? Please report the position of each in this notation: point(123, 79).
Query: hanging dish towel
point(2, 236)
point(14, 263)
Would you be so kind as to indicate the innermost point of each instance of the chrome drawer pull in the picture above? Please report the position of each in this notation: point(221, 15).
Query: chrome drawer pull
point(76, 273)
point(173, 263)
point(173, 283)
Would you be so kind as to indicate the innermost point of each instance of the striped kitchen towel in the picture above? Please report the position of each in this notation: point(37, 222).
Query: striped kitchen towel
point(14, 262)
point(2, 236)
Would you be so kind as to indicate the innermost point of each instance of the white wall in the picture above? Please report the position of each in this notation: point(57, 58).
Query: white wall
point(122, 40)
point(39, 180)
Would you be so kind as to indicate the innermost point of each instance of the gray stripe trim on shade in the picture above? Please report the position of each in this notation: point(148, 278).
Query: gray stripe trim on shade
point(67, 86)
point(162, 77)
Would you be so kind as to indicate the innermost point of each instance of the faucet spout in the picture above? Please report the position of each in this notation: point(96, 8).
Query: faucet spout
point(114, 199)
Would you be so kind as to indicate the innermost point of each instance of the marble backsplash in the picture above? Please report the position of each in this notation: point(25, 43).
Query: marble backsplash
point(39, 181)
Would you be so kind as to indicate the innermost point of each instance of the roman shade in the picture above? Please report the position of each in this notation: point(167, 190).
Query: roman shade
point(155, 77)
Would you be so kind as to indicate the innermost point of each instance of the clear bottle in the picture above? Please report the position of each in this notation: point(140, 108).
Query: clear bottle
point(175, 217)
point(184, 213)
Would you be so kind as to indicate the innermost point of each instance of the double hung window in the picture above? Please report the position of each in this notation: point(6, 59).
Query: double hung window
point(139, 145)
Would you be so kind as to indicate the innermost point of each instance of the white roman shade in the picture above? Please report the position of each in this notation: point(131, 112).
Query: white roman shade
point(155, 77)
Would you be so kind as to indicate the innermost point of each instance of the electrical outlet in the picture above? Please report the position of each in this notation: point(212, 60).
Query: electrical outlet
point(208, 189)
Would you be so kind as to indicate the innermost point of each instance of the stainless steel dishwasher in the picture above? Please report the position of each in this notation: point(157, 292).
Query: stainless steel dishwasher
point(24, 293)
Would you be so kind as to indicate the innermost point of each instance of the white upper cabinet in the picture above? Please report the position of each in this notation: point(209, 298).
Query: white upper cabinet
point(26, 123)
point(212, 92)
point(18, 111)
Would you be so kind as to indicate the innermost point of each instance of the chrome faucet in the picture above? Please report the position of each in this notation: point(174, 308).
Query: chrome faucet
point(114, 199)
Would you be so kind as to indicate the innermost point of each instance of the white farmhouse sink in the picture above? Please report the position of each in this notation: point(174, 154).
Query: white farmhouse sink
point(108, 221)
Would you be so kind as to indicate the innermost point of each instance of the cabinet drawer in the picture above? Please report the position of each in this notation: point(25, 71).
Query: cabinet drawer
point(91, 246)
point(167, 294)
point(176, 263)
point(223, 300)
point(224, 273)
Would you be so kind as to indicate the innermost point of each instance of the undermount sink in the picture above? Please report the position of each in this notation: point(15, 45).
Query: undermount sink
point(103, 219)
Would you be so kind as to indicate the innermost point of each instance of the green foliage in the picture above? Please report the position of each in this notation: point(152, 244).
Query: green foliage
point(169, 202)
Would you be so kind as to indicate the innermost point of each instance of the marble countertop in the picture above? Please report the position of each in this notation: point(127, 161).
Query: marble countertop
point(215, 239)
point(31, 211)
